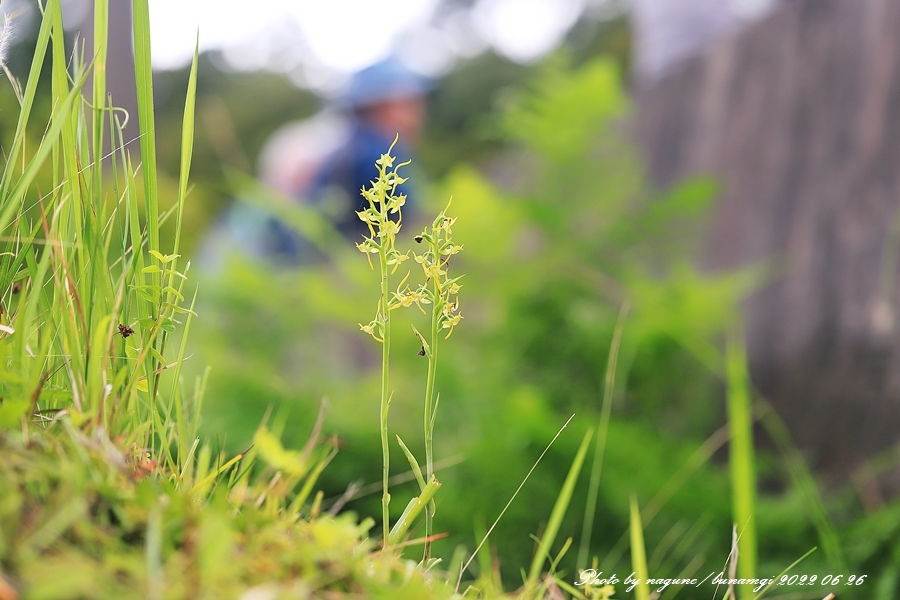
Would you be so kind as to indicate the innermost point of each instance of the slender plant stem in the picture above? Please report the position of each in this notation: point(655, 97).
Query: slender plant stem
point(505, 508)
point(429, 408)
point(743, 471)
point(385, 397)
point(600, 448)
point(382, 203)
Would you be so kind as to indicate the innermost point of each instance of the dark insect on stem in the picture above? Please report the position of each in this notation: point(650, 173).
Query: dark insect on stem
point(125, 330)
point(422, 351)
point(418, 239)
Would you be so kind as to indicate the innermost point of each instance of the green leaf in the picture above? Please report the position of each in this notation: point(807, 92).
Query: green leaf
point(11, 413)
point(422, 341)
point(175, 273)
point(415, 506)
point(154, 298)
point(181, 309)
point(157, 355)
point(271, 451)
point(187, 140)
point(174, 292)
point(413, 464)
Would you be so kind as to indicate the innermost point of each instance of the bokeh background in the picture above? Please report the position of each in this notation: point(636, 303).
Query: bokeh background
point(714, 165)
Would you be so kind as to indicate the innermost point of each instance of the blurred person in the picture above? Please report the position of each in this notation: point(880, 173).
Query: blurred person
point(292, 156)
point(288, 162)
point(324, 162)
point(384, 101)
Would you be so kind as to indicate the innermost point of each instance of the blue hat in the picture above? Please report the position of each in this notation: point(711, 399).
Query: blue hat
point(385, 80)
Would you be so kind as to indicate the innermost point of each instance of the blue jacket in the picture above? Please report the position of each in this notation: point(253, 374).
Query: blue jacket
point(335, 190)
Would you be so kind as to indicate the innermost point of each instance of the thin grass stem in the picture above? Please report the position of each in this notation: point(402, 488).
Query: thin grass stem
point(513, 497)
point(743, 473)
point(602, 431)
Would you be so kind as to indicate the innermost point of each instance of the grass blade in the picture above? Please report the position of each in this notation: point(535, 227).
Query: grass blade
point(144, 79)
point(516, 493)
point(777, 578)
point(804, 482)
point(415, 506)
point(34, 75)
point(187, 142)
point(559, 510)
point(743, 473)
point(101, 26)
point(638, 553)
point(600, 448)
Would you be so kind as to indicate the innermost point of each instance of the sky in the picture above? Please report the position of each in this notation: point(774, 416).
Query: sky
point(342, 36)
point(318, 44)
point(316, 41)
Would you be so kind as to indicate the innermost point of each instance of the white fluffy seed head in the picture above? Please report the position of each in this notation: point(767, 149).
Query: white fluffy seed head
point(7, 27)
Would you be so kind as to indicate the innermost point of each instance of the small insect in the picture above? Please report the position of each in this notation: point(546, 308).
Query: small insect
point(418, 239)
point(125, 330)
point(422, 351)
point(144, 467)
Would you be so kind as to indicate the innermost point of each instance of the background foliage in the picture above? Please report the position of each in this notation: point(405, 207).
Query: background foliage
point(560, 229)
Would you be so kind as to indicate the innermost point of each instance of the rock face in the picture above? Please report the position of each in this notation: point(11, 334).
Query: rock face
point(799, 117)
point(668, 31)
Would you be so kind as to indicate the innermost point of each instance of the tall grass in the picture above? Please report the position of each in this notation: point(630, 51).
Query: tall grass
point(106, 489)
point(96, 297)
point(638, 553)
point(558, 512)
point(600, 447)
point(743, 470)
